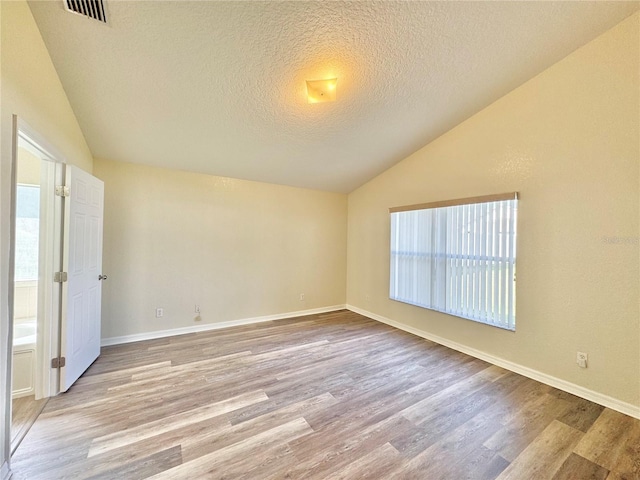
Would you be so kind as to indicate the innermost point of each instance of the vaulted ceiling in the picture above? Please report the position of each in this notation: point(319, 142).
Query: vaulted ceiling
point(219, 87)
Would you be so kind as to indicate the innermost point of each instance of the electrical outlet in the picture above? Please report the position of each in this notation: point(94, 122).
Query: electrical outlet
point(581, 359)
point(197, 309)
point(302, 297)
point(159, 312)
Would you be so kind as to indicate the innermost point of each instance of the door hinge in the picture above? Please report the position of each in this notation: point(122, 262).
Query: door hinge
point(62, 191)
point(58, 362)
point(60, 277)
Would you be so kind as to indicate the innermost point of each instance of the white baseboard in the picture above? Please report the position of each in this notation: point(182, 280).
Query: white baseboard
point(137, 337)
point(596, 397)
point(5, 473)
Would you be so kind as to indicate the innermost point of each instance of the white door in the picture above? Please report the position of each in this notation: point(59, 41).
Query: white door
point(80, 324)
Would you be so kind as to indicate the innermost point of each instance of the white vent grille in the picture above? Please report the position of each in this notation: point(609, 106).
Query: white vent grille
point(88, 8)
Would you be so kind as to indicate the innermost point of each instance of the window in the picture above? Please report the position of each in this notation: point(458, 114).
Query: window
point(457, 257)
point(27, 232)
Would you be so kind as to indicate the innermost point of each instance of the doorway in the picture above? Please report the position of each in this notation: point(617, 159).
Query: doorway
point(36, 302)
point(55, 276)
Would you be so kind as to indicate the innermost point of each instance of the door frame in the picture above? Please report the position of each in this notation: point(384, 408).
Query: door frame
point(50, 253)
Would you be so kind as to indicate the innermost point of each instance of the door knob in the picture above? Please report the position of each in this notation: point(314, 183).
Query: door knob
point(102, 277)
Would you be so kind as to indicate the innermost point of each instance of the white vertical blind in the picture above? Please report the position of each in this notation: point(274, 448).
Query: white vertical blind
point(458, 259)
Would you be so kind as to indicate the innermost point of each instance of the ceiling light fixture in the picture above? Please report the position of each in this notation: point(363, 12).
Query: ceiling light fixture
point(321, 90)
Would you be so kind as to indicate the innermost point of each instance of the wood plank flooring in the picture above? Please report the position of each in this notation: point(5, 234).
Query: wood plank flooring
point(333, 396)
point(24, 412)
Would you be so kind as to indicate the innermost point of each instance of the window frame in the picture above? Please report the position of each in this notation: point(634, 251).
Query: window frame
point(433, 283)
point(34, 277)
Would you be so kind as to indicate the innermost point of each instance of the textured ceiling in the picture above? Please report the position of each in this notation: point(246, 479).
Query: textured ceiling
point(219, 87)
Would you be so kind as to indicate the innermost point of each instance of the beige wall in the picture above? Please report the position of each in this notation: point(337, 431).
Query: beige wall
point(239, 249)
point(568, 141)
point(32, 90)
point(28, 167)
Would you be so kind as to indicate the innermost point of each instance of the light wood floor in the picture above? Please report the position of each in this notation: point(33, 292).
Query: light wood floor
point(24, 411)
point(328, 396)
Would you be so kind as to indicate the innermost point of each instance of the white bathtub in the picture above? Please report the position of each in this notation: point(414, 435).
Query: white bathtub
point(24, 332)
point(24, 357)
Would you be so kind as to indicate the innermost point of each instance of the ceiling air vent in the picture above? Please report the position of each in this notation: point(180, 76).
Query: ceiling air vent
point(88, 8)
